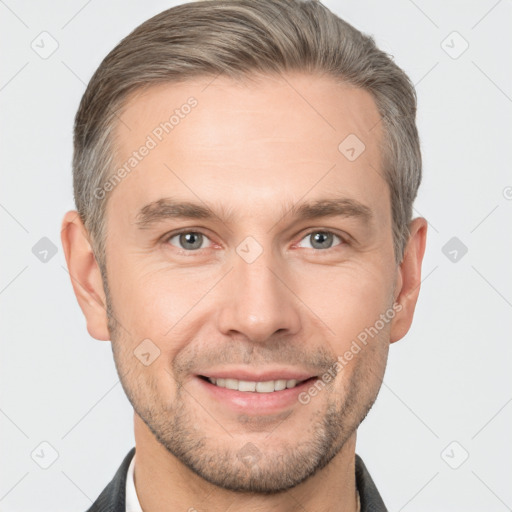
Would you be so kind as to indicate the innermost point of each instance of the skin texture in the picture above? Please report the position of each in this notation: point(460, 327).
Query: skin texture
point(254, 150)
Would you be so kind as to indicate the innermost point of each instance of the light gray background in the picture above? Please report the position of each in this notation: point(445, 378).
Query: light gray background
point(447, 381)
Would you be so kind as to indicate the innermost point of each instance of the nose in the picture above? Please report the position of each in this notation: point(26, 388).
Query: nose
point(259, 301)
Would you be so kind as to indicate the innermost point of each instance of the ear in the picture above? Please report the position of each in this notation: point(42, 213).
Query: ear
point(408, 279)
point(85, 275)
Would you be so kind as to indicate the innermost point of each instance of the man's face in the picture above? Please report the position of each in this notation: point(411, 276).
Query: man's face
point(257, 287)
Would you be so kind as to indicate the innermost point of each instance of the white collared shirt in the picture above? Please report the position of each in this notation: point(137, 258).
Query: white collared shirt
point(132, 500)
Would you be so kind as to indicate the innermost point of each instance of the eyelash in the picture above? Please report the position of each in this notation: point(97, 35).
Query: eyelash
point(168, 237)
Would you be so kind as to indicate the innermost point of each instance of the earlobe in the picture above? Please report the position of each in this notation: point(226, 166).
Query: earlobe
point(409, 279)
point(85, 275)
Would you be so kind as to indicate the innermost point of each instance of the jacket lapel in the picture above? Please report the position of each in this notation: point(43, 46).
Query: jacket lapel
point(112, 499)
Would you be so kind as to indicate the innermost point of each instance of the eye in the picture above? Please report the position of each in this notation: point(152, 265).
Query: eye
point(188, 240)
point(321, 239)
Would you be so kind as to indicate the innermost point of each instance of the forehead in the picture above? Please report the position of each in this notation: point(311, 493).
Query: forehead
point(252, 143)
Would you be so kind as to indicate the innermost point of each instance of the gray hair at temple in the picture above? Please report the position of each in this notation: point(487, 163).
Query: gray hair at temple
point(240, 38)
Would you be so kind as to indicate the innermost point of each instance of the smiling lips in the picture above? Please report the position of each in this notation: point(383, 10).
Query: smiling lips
point(246, 391)
point(259, 387)
point(249, 381)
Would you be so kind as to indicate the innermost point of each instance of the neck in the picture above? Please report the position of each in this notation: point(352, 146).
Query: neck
point(164, 483)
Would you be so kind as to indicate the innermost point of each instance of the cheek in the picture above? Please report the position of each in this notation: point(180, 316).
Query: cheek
point(350, 300)
point(149, 302)
point(159, 306)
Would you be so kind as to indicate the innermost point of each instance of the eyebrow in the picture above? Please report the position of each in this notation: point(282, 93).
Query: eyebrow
point(168, 208)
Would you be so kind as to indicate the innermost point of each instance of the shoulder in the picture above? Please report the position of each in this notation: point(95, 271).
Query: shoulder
point(368, 493)
point(112, 498)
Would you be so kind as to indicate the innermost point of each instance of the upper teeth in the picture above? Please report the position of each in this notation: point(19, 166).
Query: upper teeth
point(258, 387)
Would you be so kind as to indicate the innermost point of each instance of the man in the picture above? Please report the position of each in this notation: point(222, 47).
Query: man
point(244, 174)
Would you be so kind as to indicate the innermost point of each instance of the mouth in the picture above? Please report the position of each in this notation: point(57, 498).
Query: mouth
point(254, 398)
point(247, 386)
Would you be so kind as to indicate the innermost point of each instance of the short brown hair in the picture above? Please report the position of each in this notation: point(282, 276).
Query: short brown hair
point(237, 38)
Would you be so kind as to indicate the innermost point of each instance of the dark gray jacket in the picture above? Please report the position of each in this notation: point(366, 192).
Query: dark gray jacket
point(112, 499)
